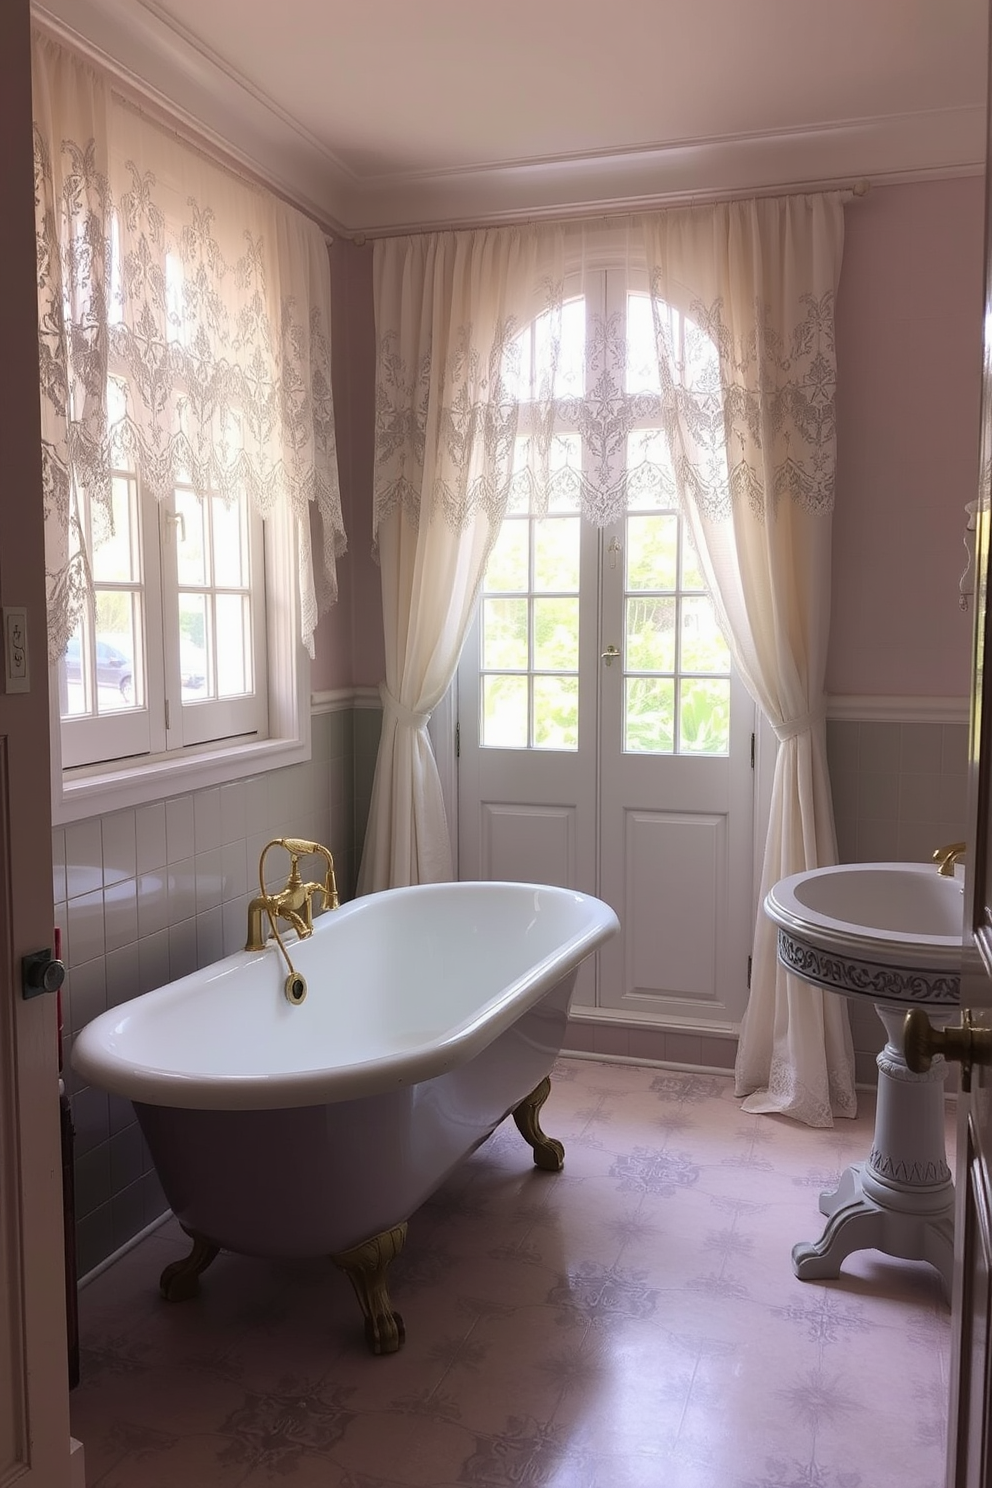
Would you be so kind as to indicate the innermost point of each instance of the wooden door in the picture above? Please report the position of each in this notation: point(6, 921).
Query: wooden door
point(34, 1391)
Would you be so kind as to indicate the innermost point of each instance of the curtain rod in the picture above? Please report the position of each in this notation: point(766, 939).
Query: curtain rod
point(150, 104)
point(851, 191)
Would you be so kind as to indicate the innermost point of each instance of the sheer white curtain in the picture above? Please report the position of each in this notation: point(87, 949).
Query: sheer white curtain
point(184, 325)
point(754, 457)
point(448, 310)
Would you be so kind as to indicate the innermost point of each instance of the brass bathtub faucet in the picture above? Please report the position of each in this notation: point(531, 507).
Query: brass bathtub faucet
point(294, 903)
point(946, 857)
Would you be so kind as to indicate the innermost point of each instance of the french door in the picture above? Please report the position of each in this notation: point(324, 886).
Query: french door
point(605, 744)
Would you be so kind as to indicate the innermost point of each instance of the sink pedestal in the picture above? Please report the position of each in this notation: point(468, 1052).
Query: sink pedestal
point(901, 1200)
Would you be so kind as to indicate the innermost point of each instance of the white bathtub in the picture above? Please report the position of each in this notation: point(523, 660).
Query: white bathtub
point(280, 1130)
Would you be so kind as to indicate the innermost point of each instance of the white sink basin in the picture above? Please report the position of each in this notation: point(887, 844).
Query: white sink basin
point(888, 931)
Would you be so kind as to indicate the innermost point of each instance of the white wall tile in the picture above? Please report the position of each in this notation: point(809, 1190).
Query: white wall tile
point(209, 937)
point(233, 818)
point(182, 890)
point(120, 914)
point(83, 857)
point(123, 975)
point(88, 992)
point(209, 879)
point(234, 868)
point(182, 948)
point(234, 921)
point(150, 839)
point(206, 819)
point(179, 834)
point(153, 902)
point(119, 852)
point(153, 961)
point(84, 921)
point(59, 891)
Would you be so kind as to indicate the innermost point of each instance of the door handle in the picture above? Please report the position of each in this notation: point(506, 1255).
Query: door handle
point(609, 654)
point(921, 1041)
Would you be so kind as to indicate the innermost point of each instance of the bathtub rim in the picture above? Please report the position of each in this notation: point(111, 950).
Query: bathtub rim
point(93, 1058)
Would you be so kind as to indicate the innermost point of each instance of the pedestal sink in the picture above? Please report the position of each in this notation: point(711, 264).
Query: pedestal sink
point(890, 932)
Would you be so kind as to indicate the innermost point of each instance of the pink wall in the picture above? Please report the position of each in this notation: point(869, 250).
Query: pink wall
point(909, 316)
point(348, 642)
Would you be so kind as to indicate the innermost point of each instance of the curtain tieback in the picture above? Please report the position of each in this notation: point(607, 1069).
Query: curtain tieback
point(802, 725)
point(400, 713)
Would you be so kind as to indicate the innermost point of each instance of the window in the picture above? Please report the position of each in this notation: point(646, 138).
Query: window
point(184, 357)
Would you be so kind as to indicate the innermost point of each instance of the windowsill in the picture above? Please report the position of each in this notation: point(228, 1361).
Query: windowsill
point(93, 791)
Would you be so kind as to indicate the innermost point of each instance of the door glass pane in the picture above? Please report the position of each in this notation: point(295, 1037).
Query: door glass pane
point(650, 634)
point(704, 716)
point(703, 646)
point(692, 574)
point(504, 633)
point(649, 715)
point(556, 554)
point(556, 712)
point(556, 634)
point(504, 712)
point(507, 566)
point(652, 551)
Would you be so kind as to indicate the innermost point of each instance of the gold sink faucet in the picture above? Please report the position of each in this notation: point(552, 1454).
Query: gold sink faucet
point(946, 857)
point(294, 902)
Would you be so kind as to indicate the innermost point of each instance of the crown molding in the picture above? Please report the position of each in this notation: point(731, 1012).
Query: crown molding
point(145, 50)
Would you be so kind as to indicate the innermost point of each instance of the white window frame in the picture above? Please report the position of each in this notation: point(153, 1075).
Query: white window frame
point(90, 790)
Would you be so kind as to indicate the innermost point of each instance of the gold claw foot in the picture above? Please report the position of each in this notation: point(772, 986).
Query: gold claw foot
point(181, 1280)
point(549, 1154)
point(366, 1265)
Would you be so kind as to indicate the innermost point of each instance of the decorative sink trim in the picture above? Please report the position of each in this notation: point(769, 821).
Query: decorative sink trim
point(853, 977)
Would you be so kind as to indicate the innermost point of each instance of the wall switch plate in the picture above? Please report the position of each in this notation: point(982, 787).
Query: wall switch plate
point(16, 660)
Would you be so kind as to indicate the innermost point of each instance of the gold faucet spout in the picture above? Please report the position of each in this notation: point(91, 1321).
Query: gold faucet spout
point(947, 857)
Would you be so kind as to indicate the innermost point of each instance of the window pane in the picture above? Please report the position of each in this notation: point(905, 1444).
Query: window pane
point(692, 574)
point(115, 556)
point(556, 553)
point(75, 674)
point(504, 633)
point(116, 647)
point(650, 638)
point(191, 538)
point(229, 544)
point(194, 646)
point(649, 715)
point(652, 551)
point(556, 634)
point(704, 717)
point(504, 712)
point(556, 712)
point(507, 566)
point(233, 646)
point(703, 646)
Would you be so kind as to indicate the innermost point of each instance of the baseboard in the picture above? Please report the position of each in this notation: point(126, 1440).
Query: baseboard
point(122, 1250)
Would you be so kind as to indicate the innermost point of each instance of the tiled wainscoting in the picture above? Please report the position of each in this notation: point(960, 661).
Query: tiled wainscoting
point(146, 895)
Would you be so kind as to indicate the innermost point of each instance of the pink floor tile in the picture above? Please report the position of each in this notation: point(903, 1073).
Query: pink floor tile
point(632, 1321)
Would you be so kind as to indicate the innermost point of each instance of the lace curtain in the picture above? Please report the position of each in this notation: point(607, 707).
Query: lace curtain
point(714, 384)
point(184, 324)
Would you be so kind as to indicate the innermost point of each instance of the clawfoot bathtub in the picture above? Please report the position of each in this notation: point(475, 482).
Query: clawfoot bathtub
point(318, 1129)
